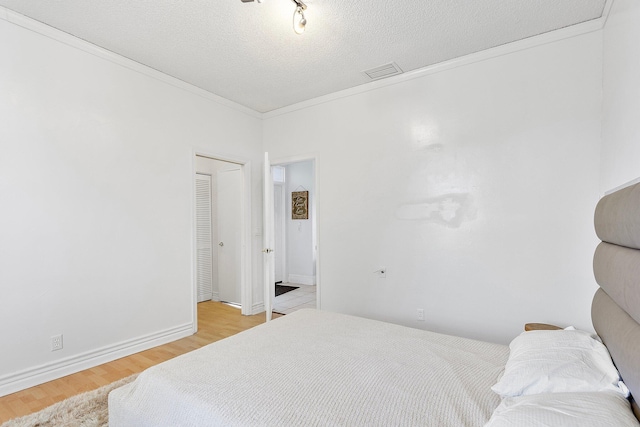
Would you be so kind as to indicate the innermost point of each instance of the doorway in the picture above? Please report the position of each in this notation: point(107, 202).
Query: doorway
point(218, 230)
point(295, 255)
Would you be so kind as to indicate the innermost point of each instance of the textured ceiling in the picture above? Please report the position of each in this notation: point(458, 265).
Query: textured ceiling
point(248, 52)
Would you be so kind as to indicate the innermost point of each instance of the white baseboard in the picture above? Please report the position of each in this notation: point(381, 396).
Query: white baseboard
point(50, 371)
point(257, 308)
point(302, 280)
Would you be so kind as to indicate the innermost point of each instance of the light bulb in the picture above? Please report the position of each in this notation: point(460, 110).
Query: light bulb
point(299, 21)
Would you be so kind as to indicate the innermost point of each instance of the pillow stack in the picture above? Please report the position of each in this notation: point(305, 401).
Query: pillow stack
point(561, 378)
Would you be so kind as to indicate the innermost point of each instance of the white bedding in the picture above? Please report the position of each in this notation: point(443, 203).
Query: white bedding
point(319, 368)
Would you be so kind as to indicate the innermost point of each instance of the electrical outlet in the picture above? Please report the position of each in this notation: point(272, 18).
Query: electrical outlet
point(420, 314)
point(56, 342)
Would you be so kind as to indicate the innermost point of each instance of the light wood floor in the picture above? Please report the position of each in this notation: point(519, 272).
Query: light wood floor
point(215, 321)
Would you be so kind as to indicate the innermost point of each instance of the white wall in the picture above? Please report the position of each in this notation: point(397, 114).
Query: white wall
point(475, 187)
point(299, 233)
point(620, 125)
point(96, 194)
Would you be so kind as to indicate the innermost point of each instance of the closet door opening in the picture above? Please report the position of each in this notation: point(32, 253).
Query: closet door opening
point(219, 222)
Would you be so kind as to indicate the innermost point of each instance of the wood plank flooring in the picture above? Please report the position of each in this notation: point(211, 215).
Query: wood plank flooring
point(215, 321)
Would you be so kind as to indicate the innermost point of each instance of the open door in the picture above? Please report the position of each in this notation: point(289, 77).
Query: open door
point(269, 262)
point(229, 230)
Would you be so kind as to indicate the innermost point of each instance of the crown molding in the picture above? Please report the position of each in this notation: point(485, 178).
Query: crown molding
point(83, 45)
point(506, 49)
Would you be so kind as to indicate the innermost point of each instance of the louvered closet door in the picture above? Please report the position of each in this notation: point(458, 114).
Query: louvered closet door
point(203, 237)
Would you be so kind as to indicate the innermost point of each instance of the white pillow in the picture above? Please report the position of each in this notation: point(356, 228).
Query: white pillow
point(558, 361)
point(598, 409)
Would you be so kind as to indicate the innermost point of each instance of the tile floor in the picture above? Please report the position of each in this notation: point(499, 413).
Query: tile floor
point(303, 297)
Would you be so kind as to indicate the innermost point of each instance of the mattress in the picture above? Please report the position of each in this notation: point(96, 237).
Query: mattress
point(319, 368)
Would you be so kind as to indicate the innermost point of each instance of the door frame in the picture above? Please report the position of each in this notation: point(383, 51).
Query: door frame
point(283, 161)
point(283, 237)
point(246, 295)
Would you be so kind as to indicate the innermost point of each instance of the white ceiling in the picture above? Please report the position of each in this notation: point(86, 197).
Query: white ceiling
point(248, 52)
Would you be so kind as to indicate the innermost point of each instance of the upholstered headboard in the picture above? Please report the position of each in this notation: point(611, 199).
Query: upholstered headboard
point(615, 311)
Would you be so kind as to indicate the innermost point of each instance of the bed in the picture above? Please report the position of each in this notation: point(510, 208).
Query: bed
point(319, 368)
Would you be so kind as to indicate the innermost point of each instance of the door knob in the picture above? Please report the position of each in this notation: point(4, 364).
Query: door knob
point(221, 244)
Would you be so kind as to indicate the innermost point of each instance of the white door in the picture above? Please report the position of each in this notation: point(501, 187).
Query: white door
point(204, 257)
point(229, 207)
point(267, 205)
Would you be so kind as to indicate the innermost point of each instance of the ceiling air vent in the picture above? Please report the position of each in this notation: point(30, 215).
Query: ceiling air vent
point(383, 71)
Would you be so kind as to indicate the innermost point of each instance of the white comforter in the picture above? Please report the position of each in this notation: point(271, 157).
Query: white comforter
point(318, 368)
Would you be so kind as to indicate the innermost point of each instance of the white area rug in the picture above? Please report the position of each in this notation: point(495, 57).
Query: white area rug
point(84, 410)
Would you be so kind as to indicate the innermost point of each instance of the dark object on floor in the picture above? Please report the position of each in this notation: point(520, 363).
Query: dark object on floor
point(282, 289)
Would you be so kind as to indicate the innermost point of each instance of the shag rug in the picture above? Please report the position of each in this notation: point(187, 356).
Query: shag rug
point(84, 410)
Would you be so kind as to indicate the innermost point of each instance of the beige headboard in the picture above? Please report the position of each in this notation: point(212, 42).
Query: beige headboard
point(615, 311)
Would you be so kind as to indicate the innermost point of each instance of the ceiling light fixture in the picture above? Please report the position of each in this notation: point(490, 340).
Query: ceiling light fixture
point(299, 21)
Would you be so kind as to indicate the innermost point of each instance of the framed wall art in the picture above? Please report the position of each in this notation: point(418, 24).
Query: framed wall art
point(300, 205)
